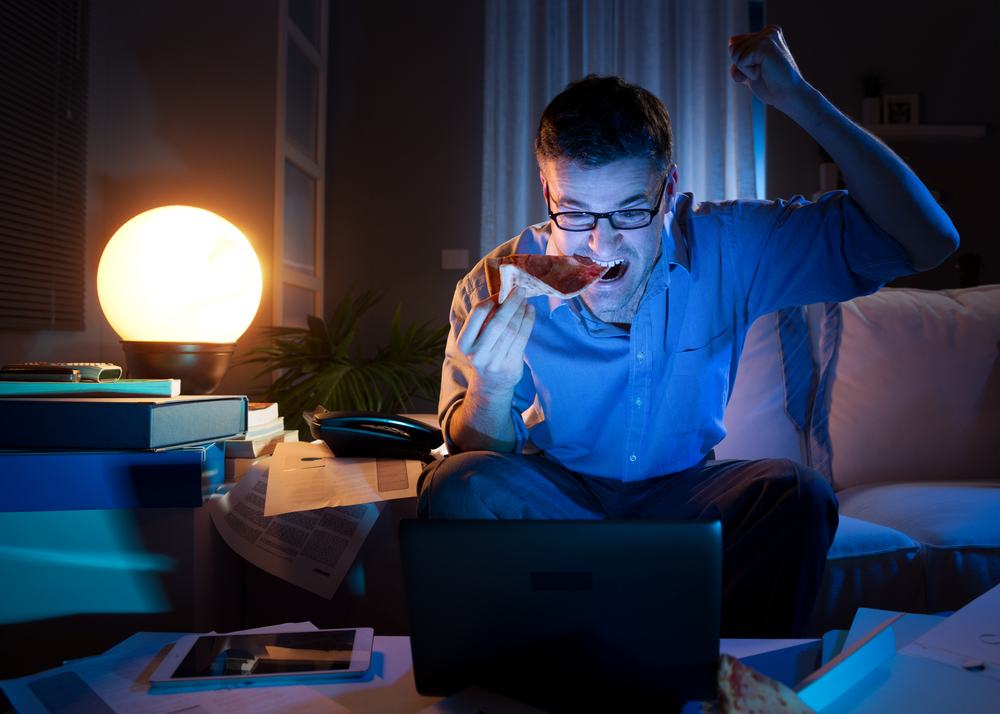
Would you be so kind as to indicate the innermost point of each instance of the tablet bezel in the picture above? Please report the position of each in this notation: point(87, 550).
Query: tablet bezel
point(360, 663)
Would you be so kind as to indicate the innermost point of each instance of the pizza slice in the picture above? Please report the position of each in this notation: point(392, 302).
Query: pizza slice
point(562, 276)
point(744, 690)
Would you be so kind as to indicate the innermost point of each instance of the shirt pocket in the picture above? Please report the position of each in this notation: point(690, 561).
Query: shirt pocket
point(698, 388)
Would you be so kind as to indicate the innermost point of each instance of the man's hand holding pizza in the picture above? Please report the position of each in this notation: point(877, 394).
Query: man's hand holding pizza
point(493, 339)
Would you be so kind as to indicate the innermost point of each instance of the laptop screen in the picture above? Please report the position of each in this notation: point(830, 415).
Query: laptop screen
point(549, 611)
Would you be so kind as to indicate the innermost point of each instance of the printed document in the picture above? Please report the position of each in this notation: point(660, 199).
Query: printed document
point(312, 548)
point(304, 476)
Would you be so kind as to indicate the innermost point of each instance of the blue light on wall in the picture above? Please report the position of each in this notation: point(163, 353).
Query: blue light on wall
point(76, 562)
point(759, 134)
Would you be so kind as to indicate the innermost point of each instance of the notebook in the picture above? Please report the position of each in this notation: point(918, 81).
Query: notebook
point(565, 614)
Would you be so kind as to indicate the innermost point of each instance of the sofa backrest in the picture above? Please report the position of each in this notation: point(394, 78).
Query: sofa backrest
point(756, 424)
point(914, 393)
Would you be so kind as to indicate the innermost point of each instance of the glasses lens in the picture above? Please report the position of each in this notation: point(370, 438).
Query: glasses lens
point(631, 219)
point(575, 221)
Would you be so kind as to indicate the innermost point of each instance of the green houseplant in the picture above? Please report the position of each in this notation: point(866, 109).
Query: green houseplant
point(324, 365)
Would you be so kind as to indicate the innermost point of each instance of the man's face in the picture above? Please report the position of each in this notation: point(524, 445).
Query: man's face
point(630, 183)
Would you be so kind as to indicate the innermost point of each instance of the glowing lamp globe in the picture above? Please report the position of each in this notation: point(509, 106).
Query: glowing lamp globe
point(179, 285)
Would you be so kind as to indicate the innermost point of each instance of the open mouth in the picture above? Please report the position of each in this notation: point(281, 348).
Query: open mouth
point(617, 271)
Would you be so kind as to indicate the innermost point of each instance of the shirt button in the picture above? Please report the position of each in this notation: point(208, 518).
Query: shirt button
point(632, 457)
point(638, 402)
point(641, 355)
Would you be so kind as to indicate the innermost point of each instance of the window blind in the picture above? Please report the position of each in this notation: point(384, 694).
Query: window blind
point(43, 163)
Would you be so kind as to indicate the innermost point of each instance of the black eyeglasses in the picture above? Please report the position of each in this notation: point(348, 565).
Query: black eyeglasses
point(626, 220)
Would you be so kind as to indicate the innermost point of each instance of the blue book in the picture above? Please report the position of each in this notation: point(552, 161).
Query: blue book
point(119, 423)
point(88, 480)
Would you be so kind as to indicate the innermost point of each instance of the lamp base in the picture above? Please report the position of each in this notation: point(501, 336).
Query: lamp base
point(199, 365)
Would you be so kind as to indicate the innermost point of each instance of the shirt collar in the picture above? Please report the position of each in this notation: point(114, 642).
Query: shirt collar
point(678, 248)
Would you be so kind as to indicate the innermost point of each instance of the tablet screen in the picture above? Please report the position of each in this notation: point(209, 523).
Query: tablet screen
point(267, 653)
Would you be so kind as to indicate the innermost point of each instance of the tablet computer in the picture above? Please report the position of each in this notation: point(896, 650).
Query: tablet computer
point(316, 656)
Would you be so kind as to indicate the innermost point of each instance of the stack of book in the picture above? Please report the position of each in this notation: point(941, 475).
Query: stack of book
point(70, 446)
point(265, 430)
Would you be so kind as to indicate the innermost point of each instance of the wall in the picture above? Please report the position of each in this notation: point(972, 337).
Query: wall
point(404, 154)
point(182, 99)
point(946, 54)
point(405, 116)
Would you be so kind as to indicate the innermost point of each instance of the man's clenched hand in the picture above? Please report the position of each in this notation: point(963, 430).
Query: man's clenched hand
point(762, 61)
point(877, 179)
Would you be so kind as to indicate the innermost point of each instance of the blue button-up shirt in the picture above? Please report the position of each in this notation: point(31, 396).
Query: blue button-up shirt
point(647, 402)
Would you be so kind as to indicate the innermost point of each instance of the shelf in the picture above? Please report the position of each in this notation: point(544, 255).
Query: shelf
point(928, 132)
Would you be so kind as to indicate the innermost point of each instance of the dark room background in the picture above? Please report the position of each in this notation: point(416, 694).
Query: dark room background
point(405, 117)
point(182, 102)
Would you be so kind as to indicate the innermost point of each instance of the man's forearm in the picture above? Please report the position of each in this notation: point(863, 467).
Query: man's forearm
point(885, 187)
point(482, 422)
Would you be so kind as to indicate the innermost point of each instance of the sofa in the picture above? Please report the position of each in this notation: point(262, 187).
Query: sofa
point(913, 399)
point(913, 396)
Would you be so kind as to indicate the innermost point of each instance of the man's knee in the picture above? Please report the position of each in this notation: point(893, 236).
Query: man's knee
point(809, 497)
point(449, 488)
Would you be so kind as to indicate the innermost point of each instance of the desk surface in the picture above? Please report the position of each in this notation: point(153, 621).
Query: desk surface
point(389, 688)
point(118, 677)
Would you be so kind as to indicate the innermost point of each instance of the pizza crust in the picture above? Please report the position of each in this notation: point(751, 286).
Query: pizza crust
point(553, 274)
point(744, 690)
point(513, 277)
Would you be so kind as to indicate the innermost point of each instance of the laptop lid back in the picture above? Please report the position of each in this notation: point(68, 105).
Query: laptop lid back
point(539, 610)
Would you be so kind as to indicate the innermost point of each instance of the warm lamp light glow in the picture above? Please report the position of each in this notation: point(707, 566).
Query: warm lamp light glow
point(179, 274)
point(180, 285)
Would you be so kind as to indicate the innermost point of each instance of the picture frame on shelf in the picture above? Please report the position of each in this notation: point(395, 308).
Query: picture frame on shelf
point(901, 109)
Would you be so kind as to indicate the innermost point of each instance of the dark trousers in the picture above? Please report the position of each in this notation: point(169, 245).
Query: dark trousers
point(778, 520)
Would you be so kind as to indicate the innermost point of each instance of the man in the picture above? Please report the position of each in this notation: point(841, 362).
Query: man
point(609, 405)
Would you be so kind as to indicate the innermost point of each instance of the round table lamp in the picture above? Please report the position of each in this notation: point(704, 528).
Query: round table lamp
point(179, 285)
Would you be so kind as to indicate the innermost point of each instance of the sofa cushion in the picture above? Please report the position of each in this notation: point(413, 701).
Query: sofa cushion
point(755, 418)
point(868, 565)
point(916, 392)
point(857, 538)
point(956, 523)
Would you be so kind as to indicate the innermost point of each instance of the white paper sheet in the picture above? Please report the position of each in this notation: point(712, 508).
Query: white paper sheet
point(304, 476)
point(932, 674)
point(969, 639)
point(121, 681)
point(310, 548)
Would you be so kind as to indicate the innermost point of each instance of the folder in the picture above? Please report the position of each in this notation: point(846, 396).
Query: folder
point(88, 480)
point(120, 423)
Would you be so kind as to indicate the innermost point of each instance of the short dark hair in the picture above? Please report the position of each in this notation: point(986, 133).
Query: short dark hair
point(598, 120)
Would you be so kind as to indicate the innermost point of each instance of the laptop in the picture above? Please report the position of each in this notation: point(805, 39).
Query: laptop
point(565, 615)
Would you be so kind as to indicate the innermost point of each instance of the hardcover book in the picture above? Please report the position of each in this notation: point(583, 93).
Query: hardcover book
point(120, 423)
point(261, 413)
point(117, 388)
point(86, 480)
point(253, 447)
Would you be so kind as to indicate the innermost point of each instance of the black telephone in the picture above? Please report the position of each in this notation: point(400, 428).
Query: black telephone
point(373, 434)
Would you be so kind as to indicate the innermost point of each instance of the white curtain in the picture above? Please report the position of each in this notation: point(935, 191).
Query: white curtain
point(676, 49)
